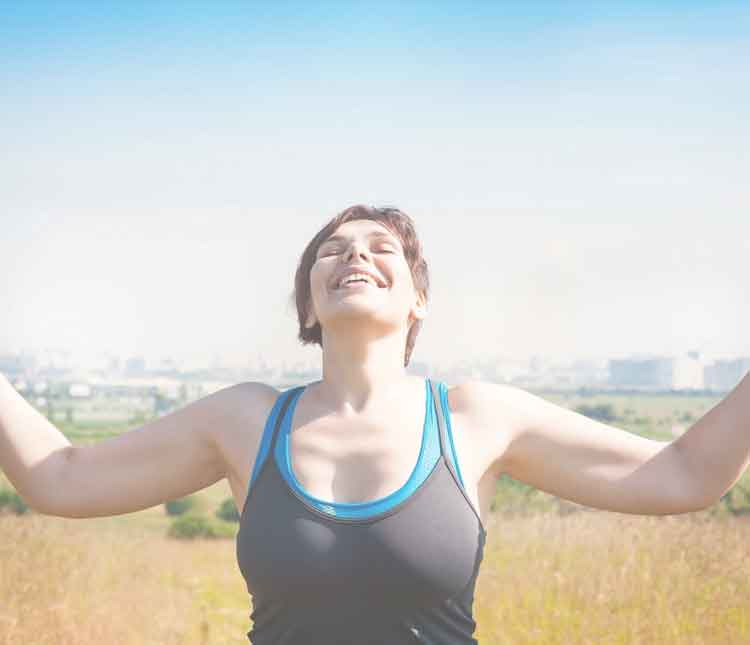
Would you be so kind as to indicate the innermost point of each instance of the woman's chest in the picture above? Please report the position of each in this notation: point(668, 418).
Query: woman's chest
point(369, 460)
point(365, 459)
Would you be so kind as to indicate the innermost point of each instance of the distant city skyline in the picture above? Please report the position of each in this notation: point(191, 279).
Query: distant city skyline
point(687, 373)
point(577, 173)
point(105, 360)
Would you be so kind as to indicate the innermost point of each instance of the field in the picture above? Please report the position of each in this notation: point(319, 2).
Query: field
point(587, 577)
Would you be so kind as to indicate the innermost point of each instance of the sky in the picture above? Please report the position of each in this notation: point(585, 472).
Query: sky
point(577, 172)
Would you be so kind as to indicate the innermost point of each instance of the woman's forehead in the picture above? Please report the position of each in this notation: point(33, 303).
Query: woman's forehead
point(363, 227)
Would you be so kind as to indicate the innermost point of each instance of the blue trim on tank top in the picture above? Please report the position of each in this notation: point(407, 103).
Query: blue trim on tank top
point(265, 441)
point(428, 456)
point(429, 453)
point(443, 390)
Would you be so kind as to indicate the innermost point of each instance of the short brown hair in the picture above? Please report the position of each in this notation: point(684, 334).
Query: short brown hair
point(401, 225)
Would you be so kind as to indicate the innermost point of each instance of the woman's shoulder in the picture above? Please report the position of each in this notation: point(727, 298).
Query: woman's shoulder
point(239, 431)
point(488, 411)
point(487, 415)
point(251, 396)
point(246, 406)
point(461, 396)
point(472, 395)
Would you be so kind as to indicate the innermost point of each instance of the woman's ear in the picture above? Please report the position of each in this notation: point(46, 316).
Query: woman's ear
point(419, 309)
point(311, 320)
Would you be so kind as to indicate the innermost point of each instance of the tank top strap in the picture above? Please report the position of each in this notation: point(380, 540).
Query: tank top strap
point(273, 421)
point(289, 396)
point(442, 431)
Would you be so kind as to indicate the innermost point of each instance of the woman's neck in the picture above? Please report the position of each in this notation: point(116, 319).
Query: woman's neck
point(357, 372)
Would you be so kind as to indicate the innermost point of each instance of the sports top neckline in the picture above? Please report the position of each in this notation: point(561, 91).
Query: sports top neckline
point(428, 453)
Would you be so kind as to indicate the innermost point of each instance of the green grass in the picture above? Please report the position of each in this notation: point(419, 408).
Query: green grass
point(649, 415)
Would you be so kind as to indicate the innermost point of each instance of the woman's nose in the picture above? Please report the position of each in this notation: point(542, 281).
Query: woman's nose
point(355, 248)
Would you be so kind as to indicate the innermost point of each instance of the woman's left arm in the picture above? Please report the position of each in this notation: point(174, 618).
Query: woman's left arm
point(588, 462)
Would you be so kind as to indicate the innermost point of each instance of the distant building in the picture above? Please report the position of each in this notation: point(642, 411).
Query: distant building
point(79, 390)
point(688, 373)
point(11, 366)
point(135, 366)
point(658, 373)
point(114, 364)
point(724, 375)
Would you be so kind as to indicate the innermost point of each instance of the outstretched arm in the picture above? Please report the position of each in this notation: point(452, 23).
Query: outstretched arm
point(166, 458)
point(588, 462)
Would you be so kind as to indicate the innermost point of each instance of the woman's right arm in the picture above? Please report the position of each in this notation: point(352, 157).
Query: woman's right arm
point(165, 459)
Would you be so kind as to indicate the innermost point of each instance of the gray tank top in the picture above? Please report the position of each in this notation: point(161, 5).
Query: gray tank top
point(393, 571)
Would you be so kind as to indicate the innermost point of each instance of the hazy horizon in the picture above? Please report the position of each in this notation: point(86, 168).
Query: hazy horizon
point(577, 174)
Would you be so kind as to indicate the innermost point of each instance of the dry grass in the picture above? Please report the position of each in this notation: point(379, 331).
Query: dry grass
point(607, 578)
point(77, 581)
point(589, 577)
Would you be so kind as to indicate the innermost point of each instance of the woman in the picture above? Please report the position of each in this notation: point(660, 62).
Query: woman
point(365, 495)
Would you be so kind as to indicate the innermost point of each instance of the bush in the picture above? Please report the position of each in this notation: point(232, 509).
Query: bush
point(11, 500)
point(179, 506)
point(192, 526)
point(737, 499)
point(5, 497)
point(604, 412)
point(228, 511)
point(513, 497)
point(189, 527)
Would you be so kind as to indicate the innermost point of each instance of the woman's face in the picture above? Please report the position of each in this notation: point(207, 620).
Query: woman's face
point(370, 246)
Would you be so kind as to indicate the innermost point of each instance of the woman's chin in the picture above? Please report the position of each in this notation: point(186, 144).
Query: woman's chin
point(363, 316)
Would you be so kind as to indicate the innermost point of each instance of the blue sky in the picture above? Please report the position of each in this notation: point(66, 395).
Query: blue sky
point(581, 165)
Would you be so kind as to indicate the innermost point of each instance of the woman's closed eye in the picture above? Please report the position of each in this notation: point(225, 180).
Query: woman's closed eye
point(325, 254)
